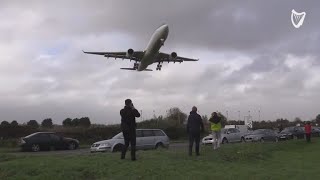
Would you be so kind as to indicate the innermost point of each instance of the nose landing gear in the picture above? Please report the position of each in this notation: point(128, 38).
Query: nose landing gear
point(162, 42)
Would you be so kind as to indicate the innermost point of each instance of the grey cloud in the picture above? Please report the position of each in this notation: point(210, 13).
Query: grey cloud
point(240, 25)
point(67, 83)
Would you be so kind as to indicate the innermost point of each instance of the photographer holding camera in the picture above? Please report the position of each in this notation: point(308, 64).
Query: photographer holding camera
point(128, 127)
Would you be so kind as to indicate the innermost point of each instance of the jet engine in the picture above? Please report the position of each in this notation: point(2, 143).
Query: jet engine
point(129, 53)
point(173, 56)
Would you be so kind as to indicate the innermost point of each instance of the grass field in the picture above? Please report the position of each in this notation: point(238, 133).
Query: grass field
point(283, 160)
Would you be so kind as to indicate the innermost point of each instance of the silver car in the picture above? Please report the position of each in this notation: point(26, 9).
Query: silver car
point(263, 135)
point(227, 135)
point(146, 139)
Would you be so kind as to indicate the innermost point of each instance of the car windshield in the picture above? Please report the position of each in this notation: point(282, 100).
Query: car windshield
point(118, 136)
point(258, 131)
point(224, 130)
point(287, 130)
point(31, 135)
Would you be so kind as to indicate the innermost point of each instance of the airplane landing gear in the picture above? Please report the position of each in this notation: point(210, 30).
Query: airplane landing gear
point(135, 65)
point(159, 66)
point(162, 42)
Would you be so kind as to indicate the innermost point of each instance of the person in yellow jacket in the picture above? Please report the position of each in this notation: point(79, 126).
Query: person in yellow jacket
point(216, 129)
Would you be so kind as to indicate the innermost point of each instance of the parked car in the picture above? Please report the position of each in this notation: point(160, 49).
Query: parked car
point(262, 135)
point(146, 139)
point(294, 132)
point(47, 141)
point(315, 131)
point(227, 135)
point(241, 128)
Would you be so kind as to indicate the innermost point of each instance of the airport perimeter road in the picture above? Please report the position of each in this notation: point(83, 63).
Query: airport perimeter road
point(85, 151)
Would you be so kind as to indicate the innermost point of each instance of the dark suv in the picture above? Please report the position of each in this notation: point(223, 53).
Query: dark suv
point(47, 141)
point(315, 131)
point(294, 132)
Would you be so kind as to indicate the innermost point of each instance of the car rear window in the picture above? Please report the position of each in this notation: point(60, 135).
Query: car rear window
point(158, 133)
point(147, 133)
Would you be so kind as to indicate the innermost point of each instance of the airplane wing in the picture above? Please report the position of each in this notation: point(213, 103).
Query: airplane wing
point(136, 56)
point(164, 57)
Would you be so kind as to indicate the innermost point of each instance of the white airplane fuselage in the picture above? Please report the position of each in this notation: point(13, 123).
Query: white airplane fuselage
point(157, 40)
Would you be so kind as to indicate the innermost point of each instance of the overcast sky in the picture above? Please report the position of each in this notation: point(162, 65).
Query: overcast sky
point(251, 58)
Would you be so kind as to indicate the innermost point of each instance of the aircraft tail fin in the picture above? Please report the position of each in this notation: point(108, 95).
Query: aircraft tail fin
point(132, 69)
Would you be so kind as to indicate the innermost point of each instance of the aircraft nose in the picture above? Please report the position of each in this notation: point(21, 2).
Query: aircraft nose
point(166, 27)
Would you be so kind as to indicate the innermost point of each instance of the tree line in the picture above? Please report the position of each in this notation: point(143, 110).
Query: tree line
point(48, 124)
point(173, 123)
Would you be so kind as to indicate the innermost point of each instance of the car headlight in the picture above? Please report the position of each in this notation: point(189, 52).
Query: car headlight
point(106, 145)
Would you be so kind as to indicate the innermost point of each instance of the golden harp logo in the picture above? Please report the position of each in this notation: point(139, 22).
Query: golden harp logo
point(297, 18)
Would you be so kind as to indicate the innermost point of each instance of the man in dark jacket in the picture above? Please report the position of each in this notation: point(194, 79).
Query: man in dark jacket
point(193, 129)
point(128, 127)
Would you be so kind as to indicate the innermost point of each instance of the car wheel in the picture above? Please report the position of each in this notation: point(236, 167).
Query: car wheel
point(117, 148)
point(35, 147)
point(262, 140)
point(72, 146)
point(224, 140)
point(159, 145)
point(243, 140)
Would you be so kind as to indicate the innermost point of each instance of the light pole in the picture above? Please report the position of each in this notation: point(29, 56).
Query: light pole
point(141, 116)
point(259, 115)
point(179, 117)
point(239, 115)
point(227, 115)
point(156, 118)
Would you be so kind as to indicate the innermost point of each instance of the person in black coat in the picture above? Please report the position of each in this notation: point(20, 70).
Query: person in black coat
point(128, 127)
point(194, 127)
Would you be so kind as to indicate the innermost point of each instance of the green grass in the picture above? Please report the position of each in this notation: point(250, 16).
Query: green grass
point(285, 160)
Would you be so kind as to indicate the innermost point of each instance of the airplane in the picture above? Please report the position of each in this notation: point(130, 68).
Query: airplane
point(150, 55)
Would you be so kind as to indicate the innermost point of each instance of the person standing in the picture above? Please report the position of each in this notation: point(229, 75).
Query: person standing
point(128, 126)
point(194, 127)
point(308, 130)
point(216, 129)
point(280, 128)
